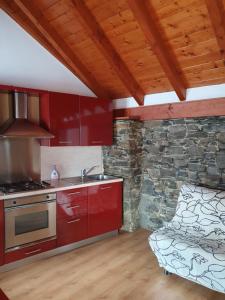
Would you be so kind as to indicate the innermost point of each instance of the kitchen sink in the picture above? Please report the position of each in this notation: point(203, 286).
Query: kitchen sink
point(89, 178)
point(100, 177)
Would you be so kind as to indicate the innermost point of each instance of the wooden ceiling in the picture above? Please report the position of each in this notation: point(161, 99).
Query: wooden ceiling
point(122, 48)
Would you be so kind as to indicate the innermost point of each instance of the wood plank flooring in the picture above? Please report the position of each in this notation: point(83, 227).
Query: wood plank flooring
point(119, 268)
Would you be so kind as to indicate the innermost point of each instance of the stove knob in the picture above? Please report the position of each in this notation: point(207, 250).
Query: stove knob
point(47, 196)
point(14, 202)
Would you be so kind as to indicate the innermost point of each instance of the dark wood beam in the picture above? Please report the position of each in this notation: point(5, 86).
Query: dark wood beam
point(58, 45)
point(97, 34)
point(217, 15)
point(144, 15)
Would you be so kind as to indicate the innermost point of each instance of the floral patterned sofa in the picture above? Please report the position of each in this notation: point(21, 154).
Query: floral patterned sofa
point(192, 245)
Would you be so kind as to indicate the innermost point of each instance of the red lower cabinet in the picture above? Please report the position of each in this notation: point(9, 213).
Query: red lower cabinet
point(29, 251)
point(81, 213)
point(104, 208)
point(2, 235)
point(88, 212)
point(71, 216)
point(72, 231)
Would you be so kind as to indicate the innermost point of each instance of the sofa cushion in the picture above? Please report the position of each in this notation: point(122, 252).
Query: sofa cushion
point(201, 208)
point(190, 256)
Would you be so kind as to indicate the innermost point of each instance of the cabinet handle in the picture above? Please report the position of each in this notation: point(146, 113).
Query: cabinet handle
point(75, 193)
point(65, 142)
point(106, 188)
point(73, 221)
point(32, 252)
point(96, 142)
point(75, 206)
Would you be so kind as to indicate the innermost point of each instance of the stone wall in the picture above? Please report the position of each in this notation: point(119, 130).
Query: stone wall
point(156, 157)
point(123, 159)
point(177, 151)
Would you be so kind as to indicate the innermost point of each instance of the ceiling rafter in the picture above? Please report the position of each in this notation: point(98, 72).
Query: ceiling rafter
point(147, 21)
point(100, 39)
point(217, 15)
point(59, 46)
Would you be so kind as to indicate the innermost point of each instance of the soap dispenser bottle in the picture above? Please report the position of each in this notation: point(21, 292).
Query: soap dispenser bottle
point(54, 173)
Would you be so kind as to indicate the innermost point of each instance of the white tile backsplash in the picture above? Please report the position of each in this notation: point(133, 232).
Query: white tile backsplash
point(70, 160)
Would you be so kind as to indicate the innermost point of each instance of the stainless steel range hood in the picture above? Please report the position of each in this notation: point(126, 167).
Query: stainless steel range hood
point(20, 126)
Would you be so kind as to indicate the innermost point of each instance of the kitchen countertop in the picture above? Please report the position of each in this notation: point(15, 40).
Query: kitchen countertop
point(61, 185)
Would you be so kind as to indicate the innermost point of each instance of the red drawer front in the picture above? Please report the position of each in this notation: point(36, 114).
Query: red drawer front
point(71, 211)
point(29, 251)
point(70, 231)
point(71, 196)
point(72, 204)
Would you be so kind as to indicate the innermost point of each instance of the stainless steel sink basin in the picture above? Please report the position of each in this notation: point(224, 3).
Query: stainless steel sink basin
point(100, 177)
point(87, 179)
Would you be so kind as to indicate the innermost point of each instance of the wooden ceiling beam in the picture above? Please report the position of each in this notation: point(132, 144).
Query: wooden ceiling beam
point(143, 13)
point(217, 15)
point(185, 109)
point(98, 36)
point(58, 45)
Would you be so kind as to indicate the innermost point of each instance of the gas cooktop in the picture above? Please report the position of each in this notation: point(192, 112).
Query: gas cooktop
point(23, 186)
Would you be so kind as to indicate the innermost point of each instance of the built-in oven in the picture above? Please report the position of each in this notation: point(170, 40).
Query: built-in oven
point(29, 219)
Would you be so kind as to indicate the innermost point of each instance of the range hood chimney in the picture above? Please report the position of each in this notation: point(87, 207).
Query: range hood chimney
point(20, 126)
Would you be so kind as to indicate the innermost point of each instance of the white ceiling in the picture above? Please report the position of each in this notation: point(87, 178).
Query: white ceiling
point(24, 62)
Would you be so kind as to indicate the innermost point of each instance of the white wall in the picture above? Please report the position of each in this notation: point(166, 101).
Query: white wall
point(199, 93)
point(24, 62)
point(70, 160)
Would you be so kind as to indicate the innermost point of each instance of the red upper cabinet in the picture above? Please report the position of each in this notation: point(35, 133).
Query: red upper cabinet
point(96, 126)
point(59, 113)
point(104, 208)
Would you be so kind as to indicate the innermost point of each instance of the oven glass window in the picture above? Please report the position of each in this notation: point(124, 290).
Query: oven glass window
point(31, 222)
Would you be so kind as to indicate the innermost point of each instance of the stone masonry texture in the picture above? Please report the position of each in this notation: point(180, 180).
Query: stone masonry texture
point(156, 157)
point(124, 159)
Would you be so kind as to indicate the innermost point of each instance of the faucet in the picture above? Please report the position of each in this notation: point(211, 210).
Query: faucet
point(85, 172)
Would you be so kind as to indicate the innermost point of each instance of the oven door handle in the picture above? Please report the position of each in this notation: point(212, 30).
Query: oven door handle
point(28, 205)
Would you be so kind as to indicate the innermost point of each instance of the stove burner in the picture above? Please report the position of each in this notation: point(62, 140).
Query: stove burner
point(9, 188)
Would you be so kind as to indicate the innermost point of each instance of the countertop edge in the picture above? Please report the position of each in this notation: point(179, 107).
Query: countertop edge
point(59, 189)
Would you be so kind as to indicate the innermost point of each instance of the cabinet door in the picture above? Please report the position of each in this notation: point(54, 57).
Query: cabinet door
point(71, 231)
point(60, 115)
point(96, 126)
point(29, 251)
point(2, 232)
point(71, 216)
point(104, 208)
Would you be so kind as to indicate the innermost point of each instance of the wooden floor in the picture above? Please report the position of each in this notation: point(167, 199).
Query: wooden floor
point(117, 268)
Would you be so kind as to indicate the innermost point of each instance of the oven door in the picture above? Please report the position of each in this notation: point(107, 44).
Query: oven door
point(29, 223)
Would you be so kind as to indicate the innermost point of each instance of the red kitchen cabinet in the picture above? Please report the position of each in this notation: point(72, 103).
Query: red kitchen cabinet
point(59, 114)
point(71, 216)
point(2, 233)
point(96, 126)
point(29, 251)
point(104, 208)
